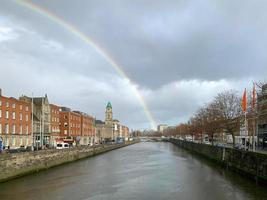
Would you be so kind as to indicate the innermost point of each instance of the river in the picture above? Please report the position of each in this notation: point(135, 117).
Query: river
point(144, 171)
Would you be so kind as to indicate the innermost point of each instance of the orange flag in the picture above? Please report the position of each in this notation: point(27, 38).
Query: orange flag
point(253, 97)
point(244, 101)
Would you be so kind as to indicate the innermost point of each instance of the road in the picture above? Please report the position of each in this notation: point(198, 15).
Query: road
point(144, 171)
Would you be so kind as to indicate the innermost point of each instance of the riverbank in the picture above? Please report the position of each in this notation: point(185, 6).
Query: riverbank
point(20, 164)
point(251, 164)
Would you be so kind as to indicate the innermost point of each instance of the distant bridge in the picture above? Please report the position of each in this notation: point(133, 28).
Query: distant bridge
point(153, 139)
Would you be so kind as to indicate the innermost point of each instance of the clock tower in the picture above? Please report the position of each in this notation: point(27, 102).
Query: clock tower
point(109, 114)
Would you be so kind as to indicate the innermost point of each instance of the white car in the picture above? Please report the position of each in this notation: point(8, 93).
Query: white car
point(63, 146)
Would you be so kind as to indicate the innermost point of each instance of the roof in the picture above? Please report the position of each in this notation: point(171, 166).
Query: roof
point(109, 105)
point(99, 122)
point(36, 100)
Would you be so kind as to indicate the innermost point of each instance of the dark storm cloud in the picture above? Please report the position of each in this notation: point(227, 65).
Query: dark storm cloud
point(164, 47)
point(205, 40)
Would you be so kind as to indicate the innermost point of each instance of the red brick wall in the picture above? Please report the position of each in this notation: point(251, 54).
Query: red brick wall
point(70, 124)
point(87, 126)
point(55, 119)
point(19, 108)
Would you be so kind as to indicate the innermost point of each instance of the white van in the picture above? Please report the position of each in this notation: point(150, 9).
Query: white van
point(62, 145)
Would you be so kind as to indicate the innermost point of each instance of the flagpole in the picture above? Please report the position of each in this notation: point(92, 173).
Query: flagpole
point(244, 105)
point(32, 136)
point(246, 129)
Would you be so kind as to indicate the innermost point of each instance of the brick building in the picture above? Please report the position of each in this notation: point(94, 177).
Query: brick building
point(15, 122)
point(70, 125)
point(125, 132)
point(87, 129)
point(55, 130)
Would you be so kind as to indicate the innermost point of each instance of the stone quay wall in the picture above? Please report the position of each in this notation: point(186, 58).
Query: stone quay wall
point(251, 164)
point(19, 164)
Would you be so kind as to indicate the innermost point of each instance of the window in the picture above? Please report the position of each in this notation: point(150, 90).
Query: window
point(20, 116)
point(6, 142)
point(21, 142)
point(27, 129)
point(13, 105)
point(13, 115)
point(13, 129)
point(65, 132)
point(6, 128)
point(13, 141)
point(20, 107)
point(20, 129)
point(27, 117)
point(7, 104)
point(7, 114)
point(27, 108)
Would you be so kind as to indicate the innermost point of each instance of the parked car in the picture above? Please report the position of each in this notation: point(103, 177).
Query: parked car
point(63, 145)
point(241, 147)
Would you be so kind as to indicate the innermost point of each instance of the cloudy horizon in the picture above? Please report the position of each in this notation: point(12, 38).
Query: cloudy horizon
point(178, 54)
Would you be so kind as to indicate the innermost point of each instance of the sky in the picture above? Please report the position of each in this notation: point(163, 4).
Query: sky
point(178, 54)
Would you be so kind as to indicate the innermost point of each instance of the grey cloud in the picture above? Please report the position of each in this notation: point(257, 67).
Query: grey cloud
point(160, 44)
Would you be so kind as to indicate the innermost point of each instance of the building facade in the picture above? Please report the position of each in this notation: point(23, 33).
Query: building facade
point(55, 121)
point(41, 119)
point(111, 129)
point(100, 129)
point(87, 129)
point(70, 125)
point(262, 117)
point(109, 133)
point(162, 127)
point(125, 132)
point(15, 122)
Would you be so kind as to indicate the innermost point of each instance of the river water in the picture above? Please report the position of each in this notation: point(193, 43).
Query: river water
point(144, 171)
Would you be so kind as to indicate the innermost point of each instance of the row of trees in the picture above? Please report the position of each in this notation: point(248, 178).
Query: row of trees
point(222, 115)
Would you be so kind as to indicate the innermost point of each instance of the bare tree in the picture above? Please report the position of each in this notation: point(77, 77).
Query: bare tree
point(200, 118)
point(259, 84)
point(228, 103)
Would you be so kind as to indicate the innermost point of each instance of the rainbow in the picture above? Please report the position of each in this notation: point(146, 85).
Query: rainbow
point(89, 41)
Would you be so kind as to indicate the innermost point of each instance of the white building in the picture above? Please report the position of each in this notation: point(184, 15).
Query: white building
point(162, 127)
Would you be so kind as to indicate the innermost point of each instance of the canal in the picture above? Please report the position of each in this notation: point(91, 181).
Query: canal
point(144, 171)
